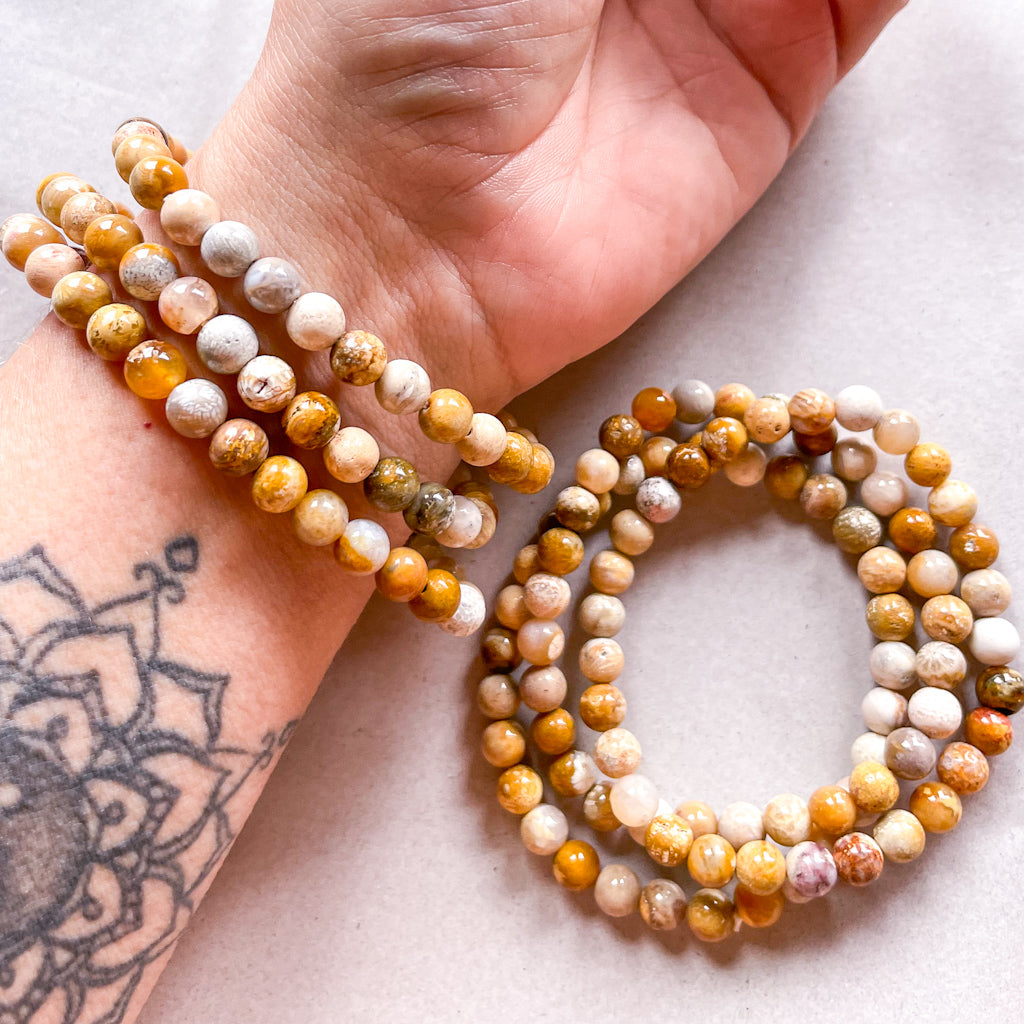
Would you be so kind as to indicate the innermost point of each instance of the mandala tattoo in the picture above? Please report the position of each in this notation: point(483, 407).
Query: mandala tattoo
point(114, 787)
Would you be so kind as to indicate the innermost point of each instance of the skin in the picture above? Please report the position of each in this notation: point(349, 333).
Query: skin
point(495, 189)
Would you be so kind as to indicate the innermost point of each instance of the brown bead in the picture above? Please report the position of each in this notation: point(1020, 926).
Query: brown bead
point(392, 484)
point(499, 650)
point(654, 453)
point(947, 618)
point(668, 840)
point(654, 409)
point(358, 358)
point(711, 915)
point(785, 476)
point(238, 447)
point(114, 330)
point(154, 178)
point(602, 706)
point(758, 911)
point(928, 464)
point(1001, 688)
point(310, 420)
point(503, 743)
point(542, 468)
point(814, 445)
point(912, 530)
point(403, 575)
point(733, 400)
point(577, 509)
point(723, 439)
point(688, 466)
point(858, 858)
point(823, 496)
point(833, 810)
point(154, 369)
point(936, 806)
point(963, 767)
point(554, 732)
point(108, 238)
point(559, 551)
point(439, 598)
point(78, 295)
point(989, 730)
point(515, 462)
point(447, 416)
point(890, 617)
point(576, 865)
point(433, 509)
point(519, 789)
point(597, 808)
point(621, 435)
point(973, 546)
point(811, 411)
point(57, 192)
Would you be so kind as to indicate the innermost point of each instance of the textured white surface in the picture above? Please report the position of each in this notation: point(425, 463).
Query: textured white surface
point(378, 880)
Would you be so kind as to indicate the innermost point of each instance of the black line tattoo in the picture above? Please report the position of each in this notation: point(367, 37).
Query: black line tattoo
point(114, 787)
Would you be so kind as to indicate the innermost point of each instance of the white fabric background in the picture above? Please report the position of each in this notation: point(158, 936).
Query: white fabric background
point(377, 879)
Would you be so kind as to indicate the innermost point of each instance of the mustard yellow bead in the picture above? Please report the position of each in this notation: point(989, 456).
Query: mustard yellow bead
point(937, 806)
point(515, 461)
point(503, 743)
point(873, 787)
point(279, 484)
point(668, 840)
point(41, 187)
point(621, 435)
point(310, 420)
point(403, 575)
point(576, 865)
point(559, 551)
point(114, 330)
point(553, 732)
point(78, 295)
point(447, 416)
point(519, 789)
point(711, 860)
point(602, 706)
point(760, 867)
point(890, 617)
point(154, 178)
point(833, 811)
point(928, 464)
point(654, 409)
point(154, 369)
point(538, 476)
point(108, 238)
point(358, 358)
point(572, 773)
point(439, 598)
point(711, 915)
point(136, 148)
point(733, 400)
point(912, 530)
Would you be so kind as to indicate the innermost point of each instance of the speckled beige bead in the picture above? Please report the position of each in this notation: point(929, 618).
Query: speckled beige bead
point(882, 570)
point(931, 573)
point(485, 441)
point(986, 592)
point(900, 836)
point(897, 432)
point(510, 606)
point(136, 126)
point(890, 617)
point(963, 767)
point(699, 816)
point(271, 284)
point(617, 891)
point(266, 384)
point(58, 190)
point(617, 753)
point(542, 688)
point(114, 330)
point(856, 530)
point(544, 830)
point(80, 211)
point(787, 819)
point(747, 469)
point(953, 503)
point(196, 407)
point(351, 455)
point(47, 264)
point(320, 518)
point(822, 496)
point(602, 615)
point(315, 321)
point(947, 618)
point(940, 664)
point(540, 641)
point(853, 460)
point(601, 660)
point(546, 596)
point(630, 532)
point(766, 419)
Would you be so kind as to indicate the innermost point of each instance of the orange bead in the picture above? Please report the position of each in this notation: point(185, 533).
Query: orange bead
point(936, 806)
point(723, 439)
point(23, 234)
point(576, 865)
point(688, 467)
point(310, 420)
point(154, 369)
point(553, 732)
point(833, 810)
point(515, 461)
point(108, 238)
point(447, 416)
point(503, 743)
point(733, 400)
point(989, 730)
point(403, 575)
point(519, 789)
point(439, 598)
point(973, 546)
point(654, 409)
point(758, 911)
point(912, 530)
point(928, 464)
point(154, 178)
point(538, 476)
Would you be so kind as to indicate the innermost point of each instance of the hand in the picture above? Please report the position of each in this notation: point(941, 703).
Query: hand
point(506, 186)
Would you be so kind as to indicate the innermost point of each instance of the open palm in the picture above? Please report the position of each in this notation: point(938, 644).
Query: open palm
point(515, 181)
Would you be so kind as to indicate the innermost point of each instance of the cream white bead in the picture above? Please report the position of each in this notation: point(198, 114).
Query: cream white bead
point(631, 475)
point(994, 641)
point(351, 455)
point(226, 343)
point(853, 460)
point(892, 664)
point(932, 572)
point(638, 833)
point(266, 384)
point(546, 595)
point(271, 284)
point(467, 521)
point(403, 387)
point(369, 540)
point(986, 592)
point(787, 819)
point(634, 800)
point(186, 215)
point(953, 503)
point(858, 407)
point(868, 746)
point(320, 518)
point(196, 407)
point(602, 615)
point(897, 432)
point(695, 401)
point(883, 710)
point(229, 248)
point(748, 467)
point(597, 470)
point(469, 616)
point(741, 823)
point(936, 713)
point(617, 890)
point(941, 664)
point(883, 493)
point(485, 441)
point(544, 830)
point(315, 321)
point(657, 500)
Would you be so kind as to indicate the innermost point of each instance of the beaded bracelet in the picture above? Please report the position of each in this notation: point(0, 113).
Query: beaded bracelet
point(827, 834)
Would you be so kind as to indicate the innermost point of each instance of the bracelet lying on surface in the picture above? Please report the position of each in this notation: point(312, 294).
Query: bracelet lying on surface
point(827, 835)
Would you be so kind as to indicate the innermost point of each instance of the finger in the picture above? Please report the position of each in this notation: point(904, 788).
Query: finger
point(857, 25)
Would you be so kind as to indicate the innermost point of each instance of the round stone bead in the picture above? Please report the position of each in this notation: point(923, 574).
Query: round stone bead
point(439, 599)
point(963, 767)
point(146, 269)
point(688, 466)
point(279, 484)
point(611, 573)
point(320, 518)
point(80, 211)
point(315, 321)
point(573, 773)
point(431, 510)
point(108, 239)
point(766, 420)
point(187, 215)
point(543, 687)
point(485, 441)
point(496, 695)
point(186, 304)
point(617, 891)
point(892, 664)
point(884, 493)
point(392, 484)
point(972, 545)
point(936, 806)
point(947, 618)
point(654, 409)
point(859, 859)
point(538, 473)
point(229, 248)
point(822, 496)
point(811, 869)
point(137, 126)
point(466, 523)
point(617, 753)
point(741, 823)
point(226, 343)
point(927, 464)
point(733, 400)
point(758, 911)
point(662, 904)
point(853, 460)
point(723, 440)
point(351, 454)
point(630, 533)
point(553, 732)
point(699, 816)
point(601, 660)
point(710, 915)
point(657, 500)
point(402, 387)
point(711, 860)
point(621, 436)
point(760, 867)
point(890, 617)
point(953, 503)
point(856, 530)
point(78, 295)
point(310, 420)
point(544, 830)
point(634, 800)
point(46, 265)
point(787, 819)
point(814, 445)
point(154, 178)
point(668, 840)
point(363, 548)
point(989, 730)
point(541, 641)
point(994, 641)
point(114, 330)
point(238, 447)
point(940, 664)
point(196, 408)
point(909, 754)
point(987, 592)
point(931, 573)
point(1001, 688)
point(597, 808)
point(503, 744)
point(602, 706)
point(868, 746)
point(873, 787)
point(882, 570)
point(747, 469)
point(525, 563)
point(896, 432)
point(695, 401)
point(546, 596)
point(597, 470)
point(266, 384)
point(154, 369)
point(55, 194)
point(576, 865)
point(23, 234)
point(271, 284)
point(900, 836)
point(519, 789)
point(446, 417)
point(498, 650)
point(577, 509)
point(516, 461)
point(136, 148)
point(811, 411)
point(833, 811)
point(559, 551)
